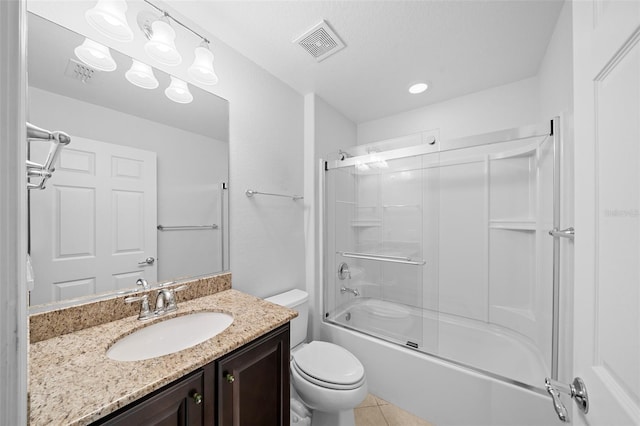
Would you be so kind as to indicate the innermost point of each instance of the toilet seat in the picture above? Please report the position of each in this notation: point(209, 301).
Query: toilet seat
point(329, 366)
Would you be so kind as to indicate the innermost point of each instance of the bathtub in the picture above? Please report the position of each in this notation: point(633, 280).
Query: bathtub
point(480, 374)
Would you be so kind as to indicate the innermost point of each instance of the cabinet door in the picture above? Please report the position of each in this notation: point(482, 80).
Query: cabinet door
point(175, 405)
point(253, 383)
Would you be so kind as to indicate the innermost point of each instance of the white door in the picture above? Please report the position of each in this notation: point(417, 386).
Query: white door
point(607, 209)
point(95, 222)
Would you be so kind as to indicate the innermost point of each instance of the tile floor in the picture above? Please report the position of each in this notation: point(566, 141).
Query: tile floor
point(377, 412)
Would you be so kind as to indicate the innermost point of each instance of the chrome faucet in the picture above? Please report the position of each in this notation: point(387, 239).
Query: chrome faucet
point(143, 283)
point(166, 300)
point(353, 291)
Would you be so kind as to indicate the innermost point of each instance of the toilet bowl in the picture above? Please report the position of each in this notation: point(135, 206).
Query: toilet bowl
point(328, 379)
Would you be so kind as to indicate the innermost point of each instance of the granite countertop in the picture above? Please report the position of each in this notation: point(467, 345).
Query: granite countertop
point(71, 380)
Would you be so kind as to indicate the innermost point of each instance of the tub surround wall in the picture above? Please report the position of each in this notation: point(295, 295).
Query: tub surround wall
point(72, 381)
point(56, 322)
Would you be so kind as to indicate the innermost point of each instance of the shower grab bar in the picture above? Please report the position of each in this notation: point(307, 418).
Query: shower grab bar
point(250, 193)
point(383, 258)
point(186, 227)
point(44, 171)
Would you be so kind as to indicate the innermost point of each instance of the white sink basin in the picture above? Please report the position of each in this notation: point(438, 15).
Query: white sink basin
point(169, 336)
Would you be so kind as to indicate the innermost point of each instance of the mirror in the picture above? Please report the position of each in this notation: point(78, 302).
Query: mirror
point(138, 193)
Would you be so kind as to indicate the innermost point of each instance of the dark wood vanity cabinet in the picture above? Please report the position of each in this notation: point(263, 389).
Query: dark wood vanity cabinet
point(248, 387)
point(253, 383)
point(178, 404)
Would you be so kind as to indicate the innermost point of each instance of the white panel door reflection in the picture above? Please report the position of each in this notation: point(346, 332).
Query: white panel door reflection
point(95, 222)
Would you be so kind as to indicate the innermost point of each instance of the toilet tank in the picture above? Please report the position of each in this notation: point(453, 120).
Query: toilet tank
point(297, 300)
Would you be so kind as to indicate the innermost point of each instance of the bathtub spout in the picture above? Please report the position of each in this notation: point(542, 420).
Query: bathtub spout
point(353, 291)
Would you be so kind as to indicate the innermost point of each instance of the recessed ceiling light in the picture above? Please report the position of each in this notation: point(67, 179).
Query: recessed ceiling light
point(417, 88)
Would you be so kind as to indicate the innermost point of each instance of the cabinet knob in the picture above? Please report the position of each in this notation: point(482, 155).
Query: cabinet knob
point(197, 398)
point(230, 378)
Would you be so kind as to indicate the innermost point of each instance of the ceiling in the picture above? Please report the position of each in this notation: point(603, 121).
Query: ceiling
point(459, 47)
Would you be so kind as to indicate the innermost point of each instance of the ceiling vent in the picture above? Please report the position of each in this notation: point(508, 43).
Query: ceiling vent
point(320, 41)
point(79, 71)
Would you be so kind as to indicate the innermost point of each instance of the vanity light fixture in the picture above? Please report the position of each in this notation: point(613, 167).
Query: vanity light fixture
point(162, 46)
point(141, 75)
point(108, 17)
point(178, 91)
point(418, 88)
point(95, 55)
point(202, 68)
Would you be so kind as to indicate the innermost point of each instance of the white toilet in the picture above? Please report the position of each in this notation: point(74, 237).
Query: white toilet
point(326, 377)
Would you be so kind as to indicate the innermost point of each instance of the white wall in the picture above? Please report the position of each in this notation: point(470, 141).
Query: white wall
point(326, 131)
point(502, 107)
point(265, 154)
point(190, 168)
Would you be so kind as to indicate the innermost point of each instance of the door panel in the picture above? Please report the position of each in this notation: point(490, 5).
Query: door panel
point(76, 235)
point(94, 222)
point(607, 291)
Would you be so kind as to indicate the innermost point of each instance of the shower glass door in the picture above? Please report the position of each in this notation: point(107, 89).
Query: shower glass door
point(446, 249)
point(375, 214)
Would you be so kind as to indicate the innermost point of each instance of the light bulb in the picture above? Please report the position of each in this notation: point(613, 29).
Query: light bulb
point(161, 47)
point(108, 17)
point(178, 91)
point(95, 55)
point(141, 75)
point(202, 68)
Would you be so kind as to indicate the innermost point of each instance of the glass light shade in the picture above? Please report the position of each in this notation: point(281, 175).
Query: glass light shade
point(162, 47)
point(178, 91)
point(202, 68)
point(108, 17)
point(141, 75)
point(95, 55)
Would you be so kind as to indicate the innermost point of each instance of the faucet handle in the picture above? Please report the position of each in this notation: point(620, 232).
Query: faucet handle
point(145, 312)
